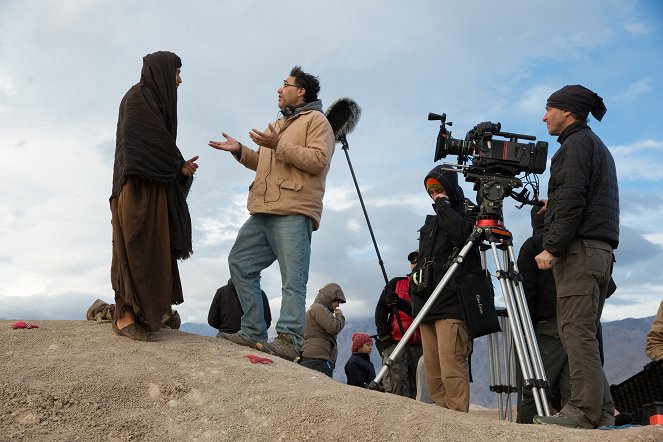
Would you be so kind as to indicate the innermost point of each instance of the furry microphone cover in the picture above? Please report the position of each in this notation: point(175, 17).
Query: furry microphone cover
point(343, 115)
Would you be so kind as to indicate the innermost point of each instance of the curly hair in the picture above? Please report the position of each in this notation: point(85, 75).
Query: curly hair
point(307, 82)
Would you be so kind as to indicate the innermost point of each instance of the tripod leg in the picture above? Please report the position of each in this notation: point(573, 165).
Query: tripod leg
point(539, 369)
point(524, 349)
point(474, 236)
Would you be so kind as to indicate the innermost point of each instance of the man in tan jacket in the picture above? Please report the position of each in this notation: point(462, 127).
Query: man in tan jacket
point(285, 203)
point(654, 347)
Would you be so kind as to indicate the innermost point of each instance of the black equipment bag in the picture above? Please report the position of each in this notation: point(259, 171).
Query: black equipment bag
point(477, 301)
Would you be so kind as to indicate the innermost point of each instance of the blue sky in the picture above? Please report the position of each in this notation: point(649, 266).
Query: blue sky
point(65, 65)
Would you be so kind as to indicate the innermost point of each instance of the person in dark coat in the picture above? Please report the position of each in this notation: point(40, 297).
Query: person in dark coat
point(150, 217)
point(541, 296)
point(446, 341)
point(225, 312)
point(359, 369)
point(392, 314)
point(582, 230)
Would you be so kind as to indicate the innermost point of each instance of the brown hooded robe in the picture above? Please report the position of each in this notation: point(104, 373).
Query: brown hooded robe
point(150, 217)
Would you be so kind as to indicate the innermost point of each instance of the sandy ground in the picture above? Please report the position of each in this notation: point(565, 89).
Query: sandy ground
point(76, 380)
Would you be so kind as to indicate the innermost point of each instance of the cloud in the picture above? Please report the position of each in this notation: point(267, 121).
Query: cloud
point(636, 161)
point(639, 29)
point(64, 66)
point(640, 87)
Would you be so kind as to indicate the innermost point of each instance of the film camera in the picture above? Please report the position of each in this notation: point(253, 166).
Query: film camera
point(491, 156)
point(494, 163)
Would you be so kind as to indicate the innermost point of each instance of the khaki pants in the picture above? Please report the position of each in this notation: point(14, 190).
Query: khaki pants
point(447, 346)
point(582, 278)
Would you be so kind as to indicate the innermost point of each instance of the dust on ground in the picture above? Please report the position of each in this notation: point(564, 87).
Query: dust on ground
point(77, 381)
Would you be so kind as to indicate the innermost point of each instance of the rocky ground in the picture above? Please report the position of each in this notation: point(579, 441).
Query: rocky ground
point(76, 380)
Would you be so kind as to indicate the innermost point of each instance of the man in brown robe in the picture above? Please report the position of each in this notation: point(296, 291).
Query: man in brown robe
point(150, 216)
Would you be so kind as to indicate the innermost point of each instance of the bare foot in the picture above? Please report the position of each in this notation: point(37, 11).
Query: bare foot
point(127, 318)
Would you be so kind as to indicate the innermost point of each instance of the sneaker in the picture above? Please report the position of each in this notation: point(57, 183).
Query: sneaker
point(238, 339)
point(557, 419)
point(283, 347)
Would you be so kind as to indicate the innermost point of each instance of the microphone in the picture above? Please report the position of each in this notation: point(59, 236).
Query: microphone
point(343, 115)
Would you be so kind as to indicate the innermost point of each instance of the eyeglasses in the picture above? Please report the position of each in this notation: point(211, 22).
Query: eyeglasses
point(286, 84)
point(413, 262)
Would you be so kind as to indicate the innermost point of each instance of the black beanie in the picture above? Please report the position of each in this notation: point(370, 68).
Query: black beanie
point(578, 99)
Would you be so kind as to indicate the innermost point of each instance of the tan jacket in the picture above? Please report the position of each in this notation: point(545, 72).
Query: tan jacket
point(322, 326)
point(291, 179)
point(654, 347)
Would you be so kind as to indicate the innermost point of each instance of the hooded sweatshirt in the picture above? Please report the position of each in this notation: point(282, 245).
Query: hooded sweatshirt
point(322, 326)
point(441, 233)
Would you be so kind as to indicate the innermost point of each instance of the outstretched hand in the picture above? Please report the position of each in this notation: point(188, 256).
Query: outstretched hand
point(230, 145)
point(268, 139)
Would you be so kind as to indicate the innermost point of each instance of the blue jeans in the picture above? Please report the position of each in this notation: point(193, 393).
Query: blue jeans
point(321, 365)
point(262, 240)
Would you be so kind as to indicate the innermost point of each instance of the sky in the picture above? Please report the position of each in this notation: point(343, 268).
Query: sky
point(65, 65)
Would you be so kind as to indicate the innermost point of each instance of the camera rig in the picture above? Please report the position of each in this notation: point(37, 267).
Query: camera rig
point(493, 170)
point(494, 163)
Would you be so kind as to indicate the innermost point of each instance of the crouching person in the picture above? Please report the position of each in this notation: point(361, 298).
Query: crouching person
point(324, 321)
point(359, 368)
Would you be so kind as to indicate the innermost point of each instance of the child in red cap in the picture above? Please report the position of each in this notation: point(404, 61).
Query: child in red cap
point(359, 369)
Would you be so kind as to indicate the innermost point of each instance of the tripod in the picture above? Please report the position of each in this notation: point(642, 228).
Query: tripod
point(489, 228)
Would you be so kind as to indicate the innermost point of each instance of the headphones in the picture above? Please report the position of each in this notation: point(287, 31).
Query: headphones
point(288, 111)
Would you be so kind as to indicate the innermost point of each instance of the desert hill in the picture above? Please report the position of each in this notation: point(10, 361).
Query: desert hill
point(623, 341)
point(76, 380)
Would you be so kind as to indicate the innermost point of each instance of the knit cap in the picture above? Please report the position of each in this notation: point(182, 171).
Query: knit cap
point(433, 183)
point(358, 340)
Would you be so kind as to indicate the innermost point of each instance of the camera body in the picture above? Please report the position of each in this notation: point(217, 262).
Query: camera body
point(491, 156)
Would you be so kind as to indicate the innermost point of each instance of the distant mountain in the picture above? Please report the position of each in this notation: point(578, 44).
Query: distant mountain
point(623, 341)
point(198, 329)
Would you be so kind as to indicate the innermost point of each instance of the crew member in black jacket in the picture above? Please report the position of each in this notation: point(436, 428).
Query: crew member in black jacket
point(582, 230)
point(541, 296)
point(445, 339)
point(225, 312)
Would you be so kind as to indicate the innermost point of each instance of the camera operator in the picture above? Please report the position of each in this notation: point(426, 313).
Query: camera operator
point(401, 379)
point(582, 229)
point(445, 339)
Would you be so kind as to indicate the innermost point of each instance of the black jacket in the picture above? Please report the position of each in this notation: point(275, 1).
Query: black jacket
point(384, 314)
point(359, 370)
point(440, 235)
point(583, 197)
point(225, 313)
point(538, 285)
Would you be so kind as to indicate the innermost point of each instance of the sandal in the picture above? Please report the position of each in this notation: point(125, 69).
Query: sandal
point(131, 331)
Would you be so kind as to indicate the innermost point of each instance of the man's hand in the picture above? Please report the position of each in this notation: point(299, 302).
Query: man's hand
point(189, 167)
point(230, 145)
point(544, 260)
point(543, 208)
point(383, 342)
point(269, 139)
point(338, 312)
